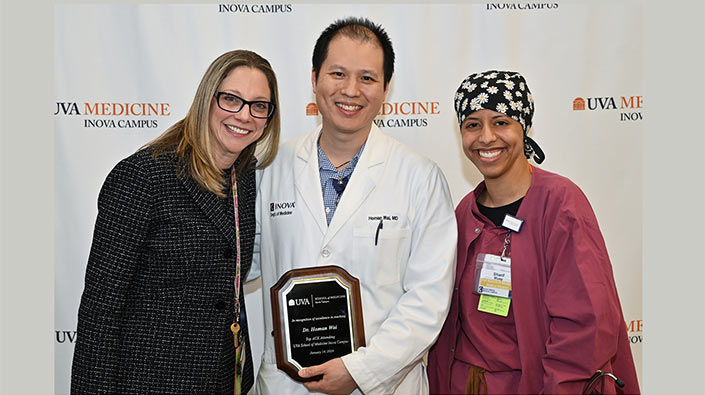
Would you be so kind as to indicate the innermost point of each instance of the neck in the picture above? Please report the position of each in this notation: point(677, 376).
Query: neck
point(225, 162)
point(507, 189)
point(341, 147)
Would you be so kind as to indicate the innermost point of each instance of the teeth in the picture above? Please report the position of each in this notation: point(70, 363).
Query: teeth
point(348, 108)
point(489, 154)
point(236, 130)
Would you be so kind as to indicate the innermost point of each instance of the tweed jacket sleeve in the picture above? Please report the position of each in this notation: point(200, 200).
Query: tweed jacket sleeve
point(121, 226)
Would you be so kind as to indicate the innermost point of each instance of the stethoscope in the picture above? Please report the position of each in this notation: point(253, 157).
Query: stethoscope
point(601, 375)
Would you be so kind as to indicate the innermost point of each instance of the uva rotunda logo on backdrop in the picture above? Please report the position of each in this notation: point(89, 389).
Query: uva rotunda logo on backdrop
point(629, 107)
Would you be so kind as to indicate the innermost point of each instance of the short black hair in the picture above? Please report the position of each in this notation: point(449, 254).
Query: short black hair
point(359, 29)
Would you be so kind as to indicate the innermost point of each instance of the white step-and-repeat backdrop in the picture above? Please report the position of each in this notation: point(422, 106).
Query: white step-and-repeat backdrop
point(124, 73)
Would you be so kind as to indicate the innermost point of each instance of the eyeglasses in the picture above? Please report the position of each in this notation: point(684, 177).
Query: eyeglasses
point(233, 103)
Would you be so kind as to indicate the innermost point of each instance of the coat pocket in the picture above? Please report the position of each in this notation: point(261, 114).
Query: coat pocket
point(165, 275)
point(381, 252)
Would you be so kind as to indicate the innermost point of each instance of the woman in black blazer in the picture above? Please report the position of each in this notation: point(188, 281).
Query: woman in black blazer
point(159, 300)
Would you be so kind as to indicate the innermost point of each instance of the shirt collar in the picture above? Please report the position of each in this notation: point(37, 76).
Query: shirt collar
point(325, 164)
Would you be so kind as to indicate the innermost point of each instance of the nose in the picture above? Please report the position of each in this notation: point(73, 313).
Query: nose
point(351, 87)
point(487, 135)
point(244, 113)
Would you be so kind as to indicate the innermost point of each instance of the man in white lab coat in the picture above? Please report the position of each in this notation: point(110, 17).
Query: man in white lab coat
point(348, 195)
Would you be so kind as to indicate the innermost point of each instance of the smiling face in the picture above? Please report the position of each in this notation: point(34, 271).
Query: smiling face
point(233, 132)
point(350, 87)
point(494, 143)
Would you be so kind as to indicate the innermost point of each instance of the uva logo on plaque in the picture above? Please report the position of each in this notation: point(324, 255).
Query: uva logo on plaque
point(299, 302)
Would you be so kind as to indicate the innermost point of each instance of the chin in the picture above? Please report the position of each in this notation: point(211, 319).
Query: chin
point(489, 173)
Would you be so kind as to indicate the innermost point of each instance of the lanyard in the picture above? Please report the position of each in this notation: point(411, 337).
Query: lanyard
point(236, 319)
point(240, 352)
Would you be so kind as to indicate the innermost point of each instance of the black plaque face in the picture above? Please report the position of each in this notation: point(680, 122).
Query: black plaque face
point(317, 316)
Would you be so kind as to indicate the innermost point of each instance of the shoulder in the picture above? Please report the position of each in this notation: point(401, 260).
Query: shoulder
point(289, 156)
point(129, 183)
point(295, 146)
point(400, 149)
point(464, 208)
point(289, 147)
point(560, 195)
point(145, 161)
point(467, 201)
point(135, 167)
point(555, 186)
point(283, 165)
point(404, 160)
point(142, 169)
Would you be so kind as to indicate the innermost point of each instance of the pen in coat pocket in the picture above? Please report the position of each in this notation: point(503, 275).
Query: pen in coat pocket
point(379, 227)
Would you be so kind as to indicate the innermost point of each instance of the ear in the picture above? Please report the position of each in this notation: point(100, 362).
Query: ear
point(313, 80)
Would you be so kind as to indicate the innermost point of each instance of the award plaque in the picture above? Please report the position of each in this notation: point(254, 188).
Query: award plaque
point(317, 316)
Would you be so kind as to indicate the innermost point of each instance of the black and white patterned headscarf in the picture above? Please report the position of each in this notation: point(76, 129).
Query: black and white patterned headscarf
point(501, 91)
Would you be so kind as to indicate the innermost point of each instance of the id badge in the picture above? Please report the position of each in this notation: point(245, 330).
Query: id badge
point(493, 276)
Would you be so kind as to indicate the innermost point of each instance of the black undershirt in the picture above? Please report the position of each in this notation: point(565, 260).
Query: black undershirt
point(496, 214)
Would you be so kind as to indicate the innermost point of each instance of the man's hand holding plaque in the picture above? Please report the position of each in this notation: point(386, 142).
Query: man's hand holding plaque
point(336, 378)
point(317, 316)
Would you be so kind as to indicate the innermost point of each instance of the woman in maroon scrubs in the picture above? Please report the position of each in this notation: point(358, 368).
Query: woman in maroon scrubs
point(535, 308)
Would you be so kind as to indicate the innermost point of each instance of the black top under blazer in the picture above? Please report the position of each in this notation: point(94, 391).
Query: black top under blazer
point(157, 305)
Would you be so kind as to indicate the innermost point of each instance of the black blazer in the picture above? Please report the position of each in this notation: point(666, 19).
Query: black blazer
point(159, 289)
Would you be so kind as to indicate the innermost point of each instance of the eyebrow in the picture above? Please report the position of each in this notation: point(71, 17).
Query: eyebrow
point(493, 117)
point(363, 71)
point(237, 93)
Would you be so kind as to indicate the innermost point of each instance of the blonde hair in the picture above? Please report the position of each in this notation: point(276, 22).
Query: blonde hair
point(190, 138)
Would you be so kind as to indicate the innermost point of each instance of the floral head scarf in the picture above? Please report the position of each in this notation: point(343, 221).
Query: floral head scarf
point(505, 92)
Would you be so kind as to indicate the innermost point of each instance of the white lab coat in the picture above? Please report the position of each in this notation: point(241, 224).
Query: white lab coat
point(406, 279)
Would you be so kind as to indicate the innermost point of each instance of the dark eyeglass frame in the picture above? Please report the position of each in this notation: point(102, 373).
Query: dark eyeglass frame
point(249, 103)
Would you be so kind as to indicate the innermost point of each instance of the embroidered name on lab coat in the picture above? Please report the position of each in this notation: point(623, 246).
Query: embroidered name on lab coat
point(383, 217)
point(283, 208)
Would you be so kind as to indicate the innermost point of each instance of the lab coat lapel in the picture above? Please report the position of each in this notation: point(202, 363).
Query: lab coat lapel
point(212, 207)
point(308, 180)
point(363, 180)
